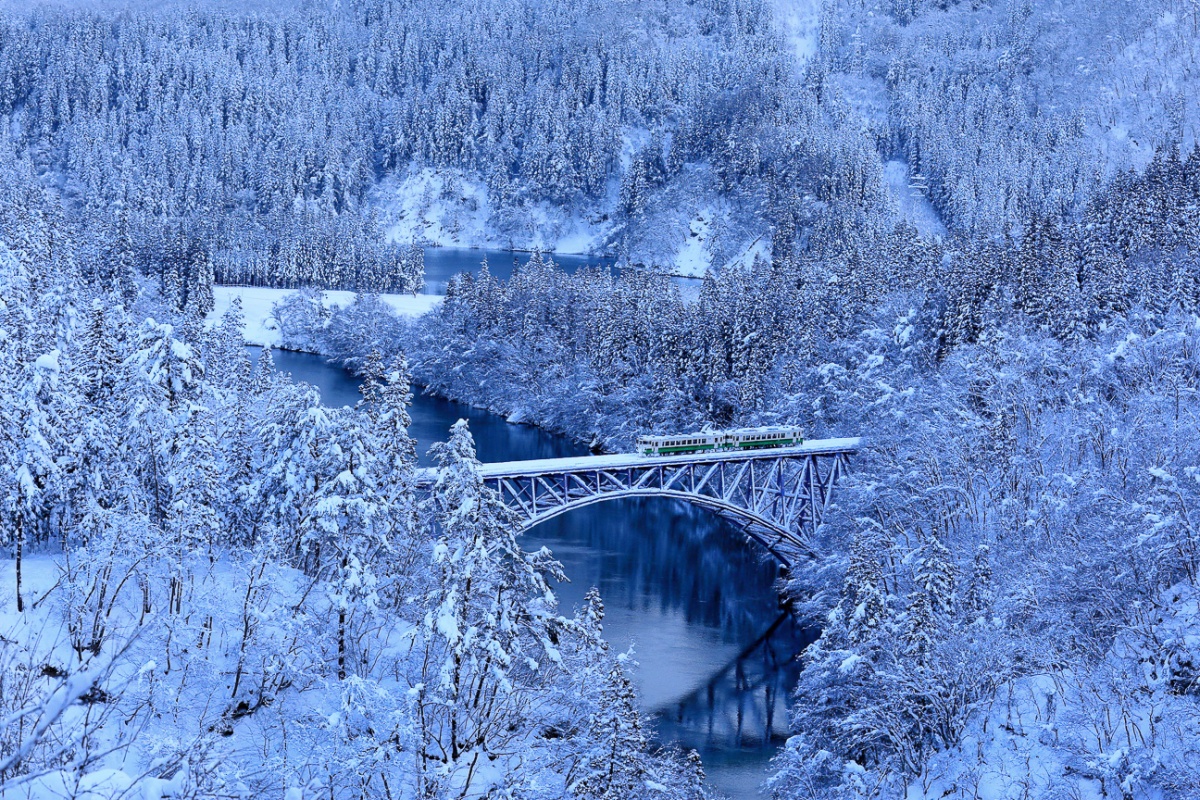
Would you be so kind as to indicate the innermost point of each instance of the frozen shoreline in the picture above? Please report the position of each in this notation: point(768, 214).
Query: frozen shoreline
point(258, 304)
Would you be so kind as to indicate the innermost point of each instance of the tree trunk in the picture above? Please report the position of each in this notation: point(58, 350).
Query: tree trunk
point(20, 554)
point(342, 645)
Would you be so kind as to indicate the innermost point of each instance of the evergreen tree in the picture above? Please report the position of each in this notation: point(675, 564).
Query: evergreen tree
point(864, 592)
point(99, 358)
point(32, 459)
point(225, 356)
point(616, 766)
point(165, 376)
point(979, 591)
point(931, 603)
point(264, 373)
point(488, 626)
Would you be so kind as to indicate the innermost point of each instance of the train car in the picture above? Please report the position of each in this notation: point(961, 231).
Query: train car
point(724, 441)
point(678, 444)
point(758, 438)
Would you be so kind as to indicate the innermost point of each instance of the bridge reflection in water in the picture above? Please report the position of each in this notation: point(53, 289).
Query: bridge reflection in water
point(744, 704)
point(698, 604)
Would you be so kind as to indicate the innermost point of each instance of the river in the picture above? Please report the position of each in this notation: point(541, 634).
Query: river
point(442, 263)
point(717, 656)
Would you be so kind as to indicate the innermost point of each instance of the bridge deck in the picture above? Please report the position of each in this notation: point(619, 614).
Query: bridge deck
point(553, 466)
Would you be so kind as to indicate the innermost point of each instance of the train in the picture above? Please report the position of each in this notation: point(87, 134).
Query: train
point(719, 441)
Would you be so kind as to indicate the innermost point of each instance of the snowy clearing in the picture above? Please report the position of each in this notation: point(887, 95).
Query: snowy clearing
point(694, 257)
point(799, 21)
point(912, 206)
point(258, 304)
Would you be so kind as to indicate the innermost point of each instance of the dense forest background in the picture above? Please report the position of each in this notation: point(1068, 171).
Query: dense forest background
point(982, 252)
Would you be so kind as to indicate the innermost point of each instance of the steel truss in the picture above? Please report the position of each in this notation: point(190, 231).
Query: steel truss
point(778, 497)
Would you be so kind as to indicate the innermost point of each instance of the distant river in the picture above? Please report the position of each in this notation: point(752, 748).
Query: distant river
point(695, 602)
point(442, 263)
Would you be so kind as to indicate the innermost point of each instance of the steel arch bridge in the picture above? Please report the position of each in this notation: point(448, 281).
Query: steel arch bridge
point(777, 496)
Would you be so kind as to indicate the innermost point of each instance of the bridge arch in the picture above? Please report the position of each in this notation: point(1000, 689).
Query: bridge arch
point(773, 538)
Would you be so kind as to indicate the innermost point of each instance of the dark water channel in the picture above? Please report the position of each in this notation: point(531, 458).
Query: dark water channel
point(695, 602)
point(442, 263)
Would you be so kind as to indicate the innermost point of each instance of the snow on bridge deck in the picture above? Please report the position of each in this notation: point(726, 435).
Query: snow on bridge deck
point(555, 466)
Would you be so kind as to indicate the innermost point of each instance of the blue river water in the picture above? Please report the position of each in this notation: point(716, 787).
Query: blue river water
point(717, 657)
point(442, 263)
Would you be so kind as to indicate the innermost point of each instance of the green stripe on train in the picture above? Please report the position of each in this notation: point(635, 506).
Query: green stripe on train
point(766, 443)
point(691, 448)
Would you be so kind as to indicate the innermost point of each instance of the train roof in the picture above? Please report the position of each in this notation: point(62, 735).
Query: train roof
point(689, 434)
point(762, 429)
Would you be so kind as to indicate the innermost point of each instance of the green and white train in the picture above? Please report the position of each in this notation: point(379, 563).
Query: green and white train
point(720, 441)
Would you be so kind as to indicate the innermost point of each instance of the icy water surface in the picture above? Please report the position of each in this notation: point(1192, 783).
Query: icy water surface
point(694, 601)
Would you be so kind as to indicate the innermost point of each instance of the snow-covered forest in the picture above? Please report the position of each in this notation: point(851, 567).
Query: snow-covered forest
point(199, 548)
point(968, 232)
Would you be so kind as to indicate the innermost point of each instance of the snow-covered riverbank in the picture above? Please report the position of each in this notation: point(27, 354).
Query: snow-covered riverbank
point(258, 304)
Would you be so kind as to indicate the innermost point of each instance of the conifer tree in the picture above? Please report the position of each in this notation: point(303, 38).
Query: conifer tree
point(264, 373)
point(931, 603)
point(99, 358)
point(225, 356)
point(979, 592)
point(616, 766)
point(864, 591)
point(488, 626)
point(165, 377)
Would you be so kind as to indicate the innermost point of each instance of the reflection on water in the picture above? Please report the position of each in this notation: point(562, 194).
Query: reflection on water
point(695, 602)
point(698, 606)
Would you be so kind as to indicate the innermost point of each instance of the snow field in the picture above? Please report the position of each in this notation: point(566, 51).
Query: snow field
point(258, 304)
